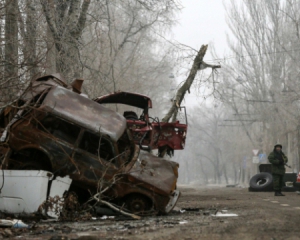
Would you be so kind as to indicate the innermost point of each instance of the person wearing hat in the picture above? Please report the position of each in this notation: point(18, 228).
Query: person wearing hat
point(278, 159)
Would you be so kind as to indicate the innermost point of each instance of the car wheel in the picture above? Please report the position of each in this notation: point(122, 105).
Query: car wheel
point(138, 204)
point(261, 181)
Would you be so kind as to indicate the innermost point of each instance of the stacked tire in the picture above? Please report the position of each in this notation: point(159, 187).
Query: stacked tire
point(262, 182)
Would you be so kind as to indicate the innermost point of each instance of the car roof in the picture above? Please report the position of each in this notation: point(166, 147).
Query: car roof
point(84, 112)
point(128, 98)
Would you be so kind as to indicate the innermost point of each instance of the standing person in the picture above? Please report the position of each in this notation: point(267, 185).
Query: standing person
point(278, 159)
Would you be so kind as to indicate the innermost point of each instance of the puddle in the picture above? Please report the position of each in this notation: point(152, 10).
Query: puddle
point(284, 205)
point(274, 202)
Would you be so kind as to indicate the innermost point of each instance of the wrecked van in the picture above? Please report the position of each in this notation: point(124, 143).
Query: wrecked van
point(52, 127)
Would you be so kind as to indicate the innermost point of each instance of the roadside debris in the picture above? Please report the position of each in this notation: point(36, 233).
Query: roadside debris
point(23, 191)
point(232, 185)
point(224, 213)
point(183, 222)
point(289, 184)
point(263, 181)
point(214, 212)
point(107, 217)
point(53, 128)
point(120, 224)
point(190, 210)
point(15, 223)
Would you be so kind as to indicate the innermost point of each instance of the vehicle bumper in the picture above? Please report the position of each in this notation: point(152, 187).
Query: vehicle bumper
point(173, 200)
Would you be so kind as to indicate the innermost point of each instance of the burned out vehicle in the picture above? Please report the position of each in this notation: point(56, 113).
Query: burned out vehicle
point(148, 132)
point(52, 127)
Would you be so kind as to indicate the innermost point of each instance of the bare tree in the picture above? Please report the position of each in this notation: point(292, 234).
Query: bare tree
point(260, 79)
point(66, 21)
point(11, 47)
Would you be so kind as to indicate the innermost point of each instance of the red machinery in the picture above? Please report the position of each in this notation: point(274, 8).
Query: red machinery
point(148, 132)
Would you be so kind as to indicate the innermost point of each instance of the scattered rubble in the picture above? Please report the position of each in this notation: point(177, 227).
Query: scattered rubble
point(24, 192)
point(15, 223)
point(108, 224)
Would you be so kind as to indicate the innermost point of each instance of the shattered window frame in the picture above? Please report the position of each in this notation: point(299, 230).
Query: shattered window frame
point(61, 132)
point(96, 149)
point(125, 150)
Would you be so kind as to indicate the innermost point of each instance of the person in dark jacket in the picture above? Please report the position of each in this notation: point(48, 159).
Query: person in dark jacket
point(278, 159)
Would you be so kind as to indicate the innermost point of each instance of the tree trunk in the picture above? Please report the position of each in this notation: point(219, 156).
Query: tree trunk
point(225, 173)
point(31, 34)
point(240, 175)
point(66, 23)
point(235, 174)
point(51, 54)
point(51, 50)
point(204, 173)
point(298, 147)
point(11, 48)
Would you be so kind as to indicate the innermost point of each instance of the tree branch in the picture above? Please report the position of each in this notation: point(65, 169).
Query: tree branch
point(73, 14)
point(198, 64)
point(82, 19)
point(50, 18)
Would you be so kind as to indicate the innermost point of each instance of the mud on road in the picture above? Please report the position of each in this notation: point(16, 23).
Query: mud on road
point(261, 215)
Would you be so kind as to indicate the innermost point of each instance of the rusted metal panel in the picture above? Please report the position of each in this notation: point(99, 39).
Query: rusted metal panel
point(55, 76)
point(41, 84)
point(170, 134)
point(84, 112)
point(159, 134)
point(155, 173)
point(131, 99)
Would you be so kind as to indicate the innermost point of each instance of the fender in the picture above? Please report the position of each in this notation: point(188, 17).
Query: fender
point(36, 147)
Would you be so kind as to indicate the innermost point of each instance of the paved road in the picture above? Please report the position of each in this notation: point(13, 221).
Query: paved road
point(261, 216)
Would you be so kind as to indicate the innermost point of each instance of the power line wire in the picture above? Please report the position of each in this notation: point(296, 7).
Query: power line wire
point(252, 55)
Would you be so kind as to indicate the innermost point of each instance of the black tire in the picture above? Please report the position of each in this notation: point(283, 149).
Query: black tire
point(138, 204)
point(289, 189)
point(262, 181)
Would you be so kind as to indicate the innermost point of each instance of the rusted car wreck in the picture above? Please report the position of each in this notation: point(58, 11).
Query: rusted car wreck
point(53, 127)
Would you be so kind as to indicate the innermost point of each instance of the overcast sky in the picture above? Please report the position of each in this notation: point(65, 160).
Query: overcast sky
point(202, 22)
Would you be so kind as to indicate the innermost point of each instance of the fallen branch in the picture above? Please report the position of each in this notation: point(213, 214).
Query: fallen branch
point(117, 209)
point(198, 64)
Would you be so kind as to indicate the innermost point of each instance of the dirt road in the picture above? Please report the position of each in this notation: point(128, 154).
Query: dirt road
point(260, 216)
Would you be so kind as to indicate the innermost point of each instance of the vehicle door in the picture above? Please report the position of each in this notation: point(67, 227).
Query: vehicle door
point(95, 156)
point(58, 137)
